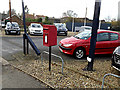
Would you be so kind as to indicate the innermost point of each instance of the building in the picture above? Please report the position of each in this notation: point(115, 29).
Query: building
point(31, 16)
point(119, 11)
point(40, 16)
point(15, 18)
point(70, 19)
point(54, 20)
point(4, 16)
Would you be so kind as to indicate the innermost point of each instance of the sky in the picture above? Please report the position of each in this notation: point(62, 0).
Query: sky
point(55, 8)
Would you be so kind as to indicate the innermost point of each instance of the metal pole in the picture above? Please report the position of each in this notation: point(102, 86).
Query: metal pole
point(54, 56)
point(94, 35)
point(24, 18)
point(73, 24)
point(24, 48)
point(108, 75)
point(27, 46)
point(99, 24)
point(49, 58)
point(10, 10)
point(85, 17)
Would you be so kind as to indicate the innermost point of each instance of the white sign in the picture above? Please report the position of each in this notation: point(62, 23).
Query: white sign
point(46, 38)
point(89, 59)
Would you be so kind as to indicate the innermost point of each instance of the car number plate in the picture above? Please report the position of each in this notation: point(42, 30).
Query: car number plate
point(61, 32)
point(13, 31)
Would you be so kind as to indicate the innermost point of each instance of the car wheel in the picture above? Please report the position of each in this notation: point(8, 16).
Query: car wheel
point(6, 32)
point(79, 53)
point(66, 34)
point(18, 33)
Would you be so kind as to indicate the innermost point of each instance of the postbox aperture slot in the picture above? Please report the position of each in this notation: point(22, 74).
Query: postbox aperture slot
point(45, 28)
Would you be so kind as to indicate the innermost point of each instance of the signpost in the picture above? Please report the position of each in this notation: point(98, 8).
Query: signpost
point(26, 39)
point(94, 35)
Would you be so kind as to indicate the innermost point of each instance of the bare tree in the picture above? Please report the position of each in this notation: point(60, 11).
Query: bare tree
point(69, 13)
point(26, 9)
point(13, 11)
point(108, 19)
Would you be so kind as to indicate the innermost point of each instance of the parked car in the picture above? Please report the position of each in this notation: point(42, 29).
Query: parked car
point(116, 58)
point(79, 44)
point(3, 24)
point(61, 29)
point(82, 28)
point(35, 29)
point(12, 27)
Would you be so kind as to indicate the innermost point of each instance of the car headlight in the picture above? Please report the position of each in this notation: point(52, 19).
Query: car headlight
point(67, 45)
point(32, 30)
point(116, 50)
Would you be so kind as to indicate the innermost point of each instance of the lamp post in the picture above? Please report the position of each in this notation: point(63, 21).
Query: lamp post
point(95, 27)
point(74, 15)
point(85, 17)
point(99, 24)
point(10, 10)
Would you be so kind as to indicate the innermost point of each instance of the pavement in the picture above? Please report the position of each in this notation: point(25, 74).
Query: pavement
point(13, 78)
point(3, 61)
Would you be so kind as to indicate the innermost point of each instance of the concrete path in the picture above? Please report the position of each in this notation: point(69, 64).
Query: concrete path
point(13, 78)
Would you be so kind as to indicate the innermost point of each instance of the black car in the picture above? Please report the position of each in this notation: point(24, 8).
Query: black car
point(61, 29)
point(12, 28)
point(116, 58)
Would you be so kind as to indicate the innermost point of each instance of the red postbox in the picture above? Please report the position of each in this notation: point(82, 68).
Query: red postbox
point(49, 35)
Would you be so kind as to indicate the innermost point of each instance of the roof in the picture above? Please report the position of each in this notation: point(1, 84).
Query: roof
point(101, 30)
point(40, 16)
point(4, 16)
point(30, 16)
point(12, 16)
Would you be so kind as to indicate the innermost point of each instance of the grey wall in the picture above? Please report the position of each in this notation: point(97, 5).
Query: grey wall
point(69, 25)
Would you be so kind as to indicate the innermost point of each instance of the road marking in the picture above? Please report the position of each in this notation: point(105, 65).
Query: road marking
point(15, 49)
point(8, 51)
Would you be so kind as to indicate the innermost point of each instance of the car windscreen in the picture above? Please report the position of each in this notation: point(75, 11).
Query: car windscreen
point(15, 25)
point(36, 26)
point(61, 27)
point(83, 35)
point(2, 22)
point(88, 28)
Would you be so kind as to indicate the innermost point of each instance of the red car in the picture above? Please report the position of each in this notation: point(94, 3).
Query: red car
point(79, 44)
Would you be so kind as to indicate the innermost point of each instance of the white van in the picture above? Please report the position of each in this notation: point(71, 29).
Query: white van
point(82, 28)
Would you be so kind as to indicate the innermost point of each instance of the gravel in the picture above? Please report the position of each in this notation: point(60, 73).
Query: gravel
point(69, 79)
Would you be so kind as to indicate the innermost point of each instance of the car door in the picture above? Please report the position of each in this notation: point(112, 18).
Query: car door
point(103, 43)
point(113, 41)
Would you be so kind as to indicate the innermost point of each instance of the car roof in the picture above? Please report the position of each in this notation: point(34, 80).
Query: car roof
point(87, 26)
point(109, 31)
point(12, 22)
point(36, 23)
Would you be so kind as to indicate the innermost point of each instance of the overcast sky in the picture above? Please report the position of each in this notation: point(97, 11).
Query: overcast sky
point(55, 8)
